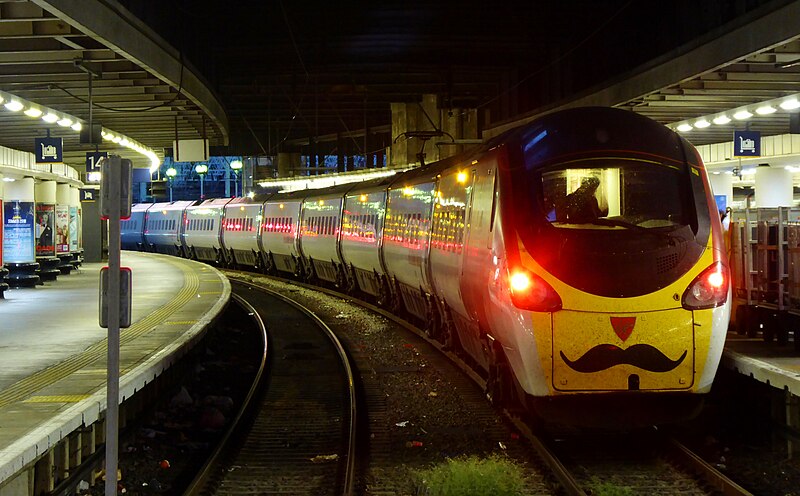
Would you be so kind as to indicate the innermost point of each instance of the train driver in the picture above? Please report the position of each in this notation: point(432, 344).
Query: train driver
point(581, 206)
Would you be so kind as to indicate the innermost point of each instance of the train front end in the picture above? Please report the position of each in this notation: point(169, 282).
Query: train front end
point(616, 265)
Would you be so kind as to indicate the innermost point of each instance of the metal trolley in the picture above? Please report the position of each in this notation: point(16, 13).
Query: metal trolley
point(764, 253)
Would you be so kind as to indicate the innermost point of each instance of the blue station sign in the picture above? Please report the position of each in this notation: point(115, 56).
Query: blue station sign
point(48, 150)
point(746, 143)
point(93, 161)
point(89, 195)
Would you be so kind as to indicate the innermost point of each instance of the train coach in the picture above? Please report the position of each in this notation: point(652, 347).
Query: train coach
point(577, 262)
point(201, 230)
point(241, 231)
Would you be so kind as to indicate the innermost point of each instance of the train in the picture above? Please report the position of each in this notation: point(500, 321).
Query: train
point(577, 262)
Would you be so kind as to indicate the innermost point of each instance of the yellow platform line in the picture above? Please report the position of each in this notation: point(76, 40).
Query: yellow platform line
point(39, 380)
point(64, 398)
point(180, 322)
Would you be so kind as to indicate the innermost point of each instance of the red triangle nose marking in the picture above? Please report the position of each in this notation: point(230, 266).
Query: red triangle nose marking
point(623, 326)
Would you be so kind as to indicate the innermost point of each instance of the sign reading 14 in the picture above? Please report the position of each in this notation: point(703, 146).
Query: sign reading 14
point(93, 161)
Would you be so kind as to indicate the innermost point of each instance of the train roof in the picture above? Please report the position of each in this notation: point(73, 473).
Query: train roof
point(430, 172)
point(336, 191)
point(372, 185)
point(259, 198)
point(176, 205)
point(211, 202)
point(579, 131)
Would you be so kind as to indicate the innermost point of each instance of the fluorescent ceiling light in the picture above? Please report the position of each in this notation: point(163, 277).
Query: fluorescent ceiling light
point(65, 122)
point(48, 117)
point(766, 110)
point(684, 128)
point(77, 126)
point(742, 115)
point(721, 120)
point(33, 112)
point(14, 106)
point(702, 123)
point(790, 104)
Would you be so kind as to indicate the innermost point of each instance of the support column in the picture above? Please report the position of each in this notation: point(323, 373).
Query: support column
point(460, 124)
point(3, 270)
point(722, 184)
point(45, 192)
point(19, 245)
point(44, 480)
point(288, 163)
point(793, 423)
point(340, 165)
point(62, 231)
point(773, 187)
point(75, 226)
point(417, 116)
point(403, 149)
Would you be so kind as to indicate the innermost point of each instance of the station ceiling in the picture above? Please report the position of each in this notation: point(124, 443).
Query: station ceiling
point(316, 80)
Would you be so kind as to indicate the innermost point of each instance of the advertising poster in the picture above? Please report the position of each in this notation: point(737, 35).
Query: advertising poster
point(73, 229)
point(18, 239)
point(62, 229)
point(45, 227)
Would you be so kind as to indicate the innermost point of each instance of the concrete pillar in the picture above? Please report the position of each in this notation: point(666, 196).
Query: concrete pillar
point(62, 230)
point(20, 190)
point(63, 194)
point(75, 220)
point(340, 157)
point(773, 187)
point(287, 162)
point(19, 194)
point(722, 184)
point(92, 231)
point(460, 124)
point(414, 117)
point(45, 192)
point(44, 480)
point(402, 121)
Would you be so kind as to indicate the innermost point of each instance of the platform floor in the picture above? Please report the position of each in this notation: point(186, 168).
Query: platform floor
point(778, 366)
point(53, 351)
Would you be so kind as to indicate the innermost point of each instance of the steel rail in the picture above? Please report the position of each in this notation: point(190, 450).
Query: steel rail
point(348, 483)
point(201, 479)
point(714, 477)
point(560, 472)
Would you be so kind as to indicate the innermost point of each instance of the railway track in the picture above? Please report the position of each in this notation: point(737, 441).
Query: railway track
point(636, 463)
point(296, 434)
point(596, 464)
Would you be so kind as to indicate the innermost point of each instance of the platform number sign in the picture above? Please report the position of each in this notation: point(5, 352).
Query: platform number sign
point(93, 161)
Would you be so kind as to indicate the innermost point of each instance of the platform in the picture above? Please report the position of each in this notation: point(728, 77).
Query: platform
point(53, 352)
point(778, 366)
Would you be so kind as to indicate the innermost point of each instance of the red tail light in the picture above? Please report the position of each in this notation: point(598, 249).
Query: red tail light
point(531, 292)
point(708, 290)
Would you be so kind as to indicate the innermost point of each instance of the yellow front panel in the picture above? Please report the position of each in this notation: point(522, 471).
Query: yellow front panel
point(595, 351)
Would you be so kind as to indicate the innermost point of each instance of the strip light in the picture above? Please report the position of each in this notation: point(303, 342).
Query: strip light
point(326, 180)
point(790, 102)
point(15, 104)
